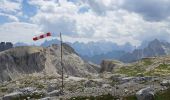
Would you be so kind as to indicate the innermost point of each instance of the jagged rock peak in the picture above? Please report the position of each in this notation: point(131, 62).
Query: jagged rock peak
point(5, 46)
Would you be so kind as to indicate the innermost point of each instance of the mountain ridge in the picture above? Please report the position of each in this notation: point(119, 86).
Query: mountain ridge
point(24, 60)
point(154, 48)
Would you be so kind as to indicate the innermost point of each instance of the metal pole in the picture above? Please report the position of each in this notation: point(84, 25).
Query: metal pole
point(62, 74)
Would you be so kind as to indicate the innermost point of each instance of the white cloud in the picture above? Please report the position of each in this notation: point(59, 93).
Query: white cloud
point(100, 20)
point(117, 25)
point(9, 6)
point(18, 32)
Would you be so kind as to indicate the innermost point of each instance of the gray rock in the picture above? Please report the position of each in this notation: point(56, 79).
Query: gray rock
point(106, 86)
point(142, 79)
point(90, 83)
point(46, 98)
point(12, 96)
point(145, 94)
point(165, 83)
point(52, 87)
point(125, 80)
point(27, 90)
point(54, 93)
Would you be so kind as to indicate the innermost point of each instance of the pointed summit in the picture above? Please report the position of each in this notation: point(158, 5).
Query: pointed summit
point(154, 43)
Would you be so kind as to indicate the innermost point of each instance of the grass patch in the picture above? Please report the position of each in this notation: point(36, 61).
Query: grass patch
point(3, 89)
point(131, 70)
point(165, 95)
point(161, 70)
point(133, 97)
point(147, 62)
point(101, 97)
point(164, 67)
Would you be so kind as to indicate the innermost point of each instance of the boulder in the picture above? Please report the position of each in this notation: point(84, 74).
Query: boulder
point(145, 94)
point(12, 96)
point(165, 83)
point(54, 93)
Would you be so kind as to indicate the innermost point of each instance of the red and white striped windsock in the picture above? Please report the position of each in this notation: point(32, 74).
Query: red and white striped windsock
point(42, 36)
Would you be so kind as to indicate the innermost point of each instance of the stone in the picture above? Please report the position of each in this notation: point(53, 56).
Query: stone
point(165, 83)
point(46, 98)
point(12, 96)
point(145, 94)
point(27, 90)
point(54, 93)
point(52, 87)
point(90, 83)
point(125, 80)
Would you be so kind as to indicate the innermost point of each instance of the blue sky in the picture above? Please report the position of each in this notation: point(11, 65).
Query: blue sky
point(118, 21)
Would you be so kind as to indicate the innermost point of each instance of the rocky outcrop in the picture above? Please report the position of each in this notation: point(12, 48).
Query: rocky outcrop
point(5, 46)
point(20, 61)
point(154, 48)
point(109, 65)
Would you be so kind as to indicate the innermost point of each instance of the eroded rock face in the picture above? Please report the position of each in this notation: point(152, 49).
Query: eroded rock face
point(19, 61)
point(109, 65)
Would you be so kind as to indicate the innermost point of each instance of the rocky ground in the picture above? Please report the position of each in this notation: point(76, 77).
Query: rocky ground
point(48, 88)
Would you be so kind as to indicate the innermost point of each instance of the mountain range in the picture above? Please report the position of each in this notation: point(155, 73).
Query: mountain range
point(127, 53)
point(97, 51)
point(154, 48)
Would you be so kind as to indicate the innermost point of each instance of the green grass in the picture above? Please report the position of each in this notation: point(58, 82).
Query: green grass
point(147, 62)
point(164, 67)
point(3, 89)
point(165, 95)
point(161, 70)
point(131, 70)
point(130, 98)
point(101, 97)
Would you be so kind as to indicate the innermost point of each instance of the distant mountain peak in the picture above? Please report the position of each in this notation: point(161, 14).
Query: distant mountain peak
point(154, 48)
point(155, 41)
